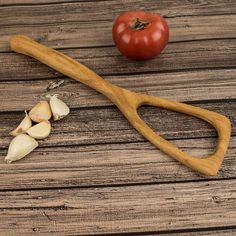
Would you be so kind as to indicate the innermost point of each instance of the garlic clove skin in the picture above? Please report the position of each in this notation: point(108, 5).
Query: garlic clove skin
point(59, 108)
point(40, 112)
point(40, 131)
point(19, 147)
point(25, 124)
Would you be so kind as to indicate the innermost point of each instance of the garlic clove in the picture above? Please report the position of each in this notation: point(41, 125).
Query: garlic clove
point(59, 108)
point(25, 124)
point(40, 112)
point(19, 147)
point(40, 131)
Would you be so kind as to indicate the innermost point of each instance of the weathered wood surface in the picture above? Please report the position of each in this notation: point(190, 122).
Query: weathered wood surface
point(87, 11)
point(180, 86)
point(32, 2)
point(201, 232)
point(65, 186)
point(75, 34)
point(119, 209)
point(107, 125)
point(108, 164)
point(108, 61)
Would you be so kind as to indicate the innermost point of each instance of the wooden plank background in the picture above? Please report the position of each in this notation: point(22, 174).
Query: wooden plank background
point(95, 174)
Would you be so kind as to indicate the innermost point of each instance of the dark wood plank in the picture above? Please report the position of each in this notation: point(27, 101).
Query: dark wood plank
point(85, 34)
point(111, 164)
point(31, 2)
point(181, 86)
point(208, 232)
point(94, 148)
point(107, 125)
point(149, 208)
point(177, 56)
point(107, 10)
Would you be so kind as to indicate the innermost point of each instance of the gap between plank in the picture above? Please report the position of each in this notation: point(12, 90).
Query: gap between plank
point(92, 47)
point(49, 3)
point(125, 74)
point(174, 232)
point(109, 106)
point(122, 142)
point(179, 16)
point(113, 45)
point(118, 185)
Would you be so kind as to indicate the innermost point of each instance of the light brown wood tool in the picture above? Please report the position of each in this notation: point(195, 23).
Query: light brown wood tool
point(128, 103)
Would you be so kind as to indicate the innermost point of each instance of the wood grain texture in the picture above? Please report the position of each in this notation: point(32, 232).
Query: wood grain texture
point(87, 11)
point(108, 61)
point(108, 164)
point(128, 102)
point(31, 2)
point(102, 155)
point(219, 232)
point(180, 86)
point(85, 34)
point(119, 209)
point(107, 125)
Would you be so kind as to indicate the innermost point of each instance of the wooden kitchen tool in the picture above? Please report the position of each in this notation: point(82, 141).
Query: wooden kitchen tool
point(128, 103)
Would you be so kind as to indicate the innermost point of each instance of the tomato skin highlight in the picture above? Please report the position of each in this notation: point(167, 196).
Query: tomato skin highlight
point(140, 35)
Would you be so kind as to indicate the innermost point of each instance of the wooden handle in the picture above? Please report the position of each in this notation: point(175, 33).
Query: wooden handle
point(128, 102)
point(63, 64)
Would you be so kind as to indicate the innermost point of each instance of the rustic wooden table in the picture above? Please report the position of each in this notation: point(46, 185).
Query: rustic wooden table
point(95, 174)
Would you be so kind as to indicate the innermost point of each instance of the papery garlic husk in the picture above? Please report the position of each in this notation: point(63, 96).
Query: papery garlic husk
point(40, 131)
point(25, 124)
point(59, 108)
point(19, 147)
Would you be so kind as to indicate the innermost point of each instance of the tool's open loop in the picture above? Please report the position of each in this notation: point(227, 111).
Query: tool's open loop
point(209, 165)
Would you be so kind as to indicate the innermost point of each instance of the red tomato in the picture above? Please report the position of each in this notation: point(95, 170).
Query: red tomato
point(140, 35)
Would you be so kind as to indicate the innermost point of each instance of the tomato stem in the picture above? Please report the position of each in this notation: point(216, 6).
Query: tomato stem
point(140, 24)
